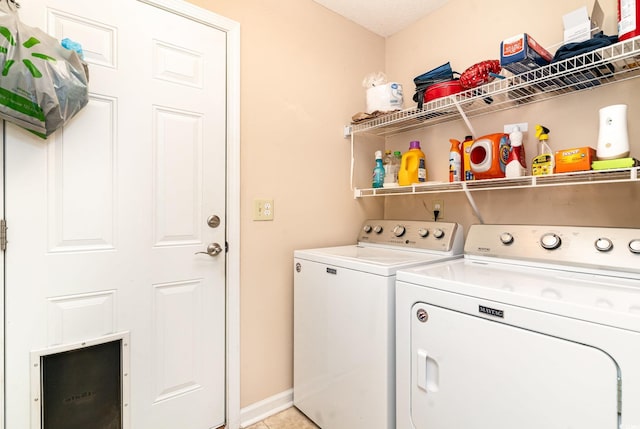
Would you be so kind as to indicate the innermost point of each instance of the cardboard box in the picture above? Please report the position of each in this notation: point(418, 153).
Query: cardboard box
point(521, 53)
point(578, 26)
point(576, 159)
point(615, 163)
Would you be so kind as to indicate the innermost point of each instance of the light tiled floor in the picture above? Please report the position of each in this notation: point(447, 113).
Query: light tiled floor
point(290, 418)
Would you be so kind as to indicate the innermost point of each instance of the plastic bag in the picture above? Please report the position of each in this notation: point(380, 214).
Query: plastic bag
point(374, 79)
point(480, 73)
point(42, 85)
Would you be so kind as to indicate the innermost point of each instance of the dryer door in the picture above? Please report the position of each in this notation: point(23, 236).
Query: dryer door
point(475, 373)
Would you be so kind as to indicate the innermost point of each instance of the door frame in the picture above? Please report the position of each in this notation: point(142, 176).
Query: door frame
point(2, 282)
point(232, 310)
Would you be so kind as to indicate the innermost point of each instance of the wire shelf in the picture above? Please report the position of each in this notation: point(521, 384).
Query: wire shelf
point(558, 179)
point(615, 63)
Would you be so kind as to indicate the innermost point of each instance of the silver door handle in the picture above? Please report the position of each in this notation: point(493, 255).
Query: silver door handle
point(213, 249)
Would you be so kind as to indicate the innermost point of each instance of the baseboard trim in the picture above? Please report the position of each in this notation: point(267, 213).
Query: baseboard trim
point(267, 407)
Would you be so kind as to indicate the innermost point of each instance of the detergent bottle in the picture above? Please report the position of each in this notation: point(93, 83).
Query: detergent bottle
point(544, 163)
point(413, 167)
point(455, 161)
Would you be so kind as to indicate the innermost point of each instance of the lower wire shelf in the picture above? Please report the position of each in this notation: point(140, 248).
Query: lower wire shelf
point(558, 179)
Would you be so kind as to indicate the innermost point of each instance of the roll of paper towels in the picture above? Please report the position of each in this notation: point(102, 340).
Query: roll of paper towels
point(384, 98)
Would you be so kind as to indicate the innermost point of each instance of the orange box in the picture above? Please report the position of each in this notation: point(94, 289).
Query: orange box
point(576, 159)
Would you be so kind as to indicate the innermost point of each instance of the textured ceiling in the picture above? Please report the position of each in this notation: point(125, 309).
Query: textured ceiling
point(383, 17)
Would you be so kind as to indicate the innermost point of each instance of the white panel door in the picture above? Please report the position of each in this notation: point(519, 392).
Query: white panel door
point(107, 215)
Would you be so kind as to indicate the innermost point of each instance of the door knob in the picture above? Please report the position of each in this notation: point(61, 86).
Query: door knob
point(213, 249)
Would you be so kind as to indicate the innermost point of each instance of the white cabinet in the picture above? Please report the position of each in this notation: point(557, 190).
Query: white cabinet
point(603, 66)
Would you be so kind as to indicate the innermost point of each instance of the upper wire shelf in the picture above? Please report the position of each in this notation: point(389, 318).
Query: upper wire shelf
point(614, 63)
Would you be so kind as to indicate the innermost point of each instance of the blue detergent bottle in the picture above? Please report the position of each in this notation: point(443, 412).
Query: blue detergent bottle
point(378, 172)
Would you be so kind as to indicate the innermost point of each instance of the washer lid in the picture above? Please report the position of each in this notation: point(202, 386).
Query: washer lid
point(375, 260)
point(611, 299)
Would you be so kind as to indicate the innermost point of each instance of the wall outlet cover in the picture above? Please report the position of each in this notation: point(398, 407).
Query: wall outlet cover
point(263, 209)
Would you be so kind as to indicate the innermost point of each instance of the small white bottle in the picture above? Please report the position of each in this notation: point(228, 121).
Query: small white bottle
point(516, 166)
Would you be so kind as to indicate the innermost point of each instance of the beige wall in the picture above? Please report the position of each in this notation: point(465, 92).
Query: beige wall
point(302, 68)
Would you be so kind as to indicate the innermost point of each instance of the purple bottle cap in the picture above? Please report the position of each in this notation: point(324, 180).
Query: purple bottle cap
point(414, 145)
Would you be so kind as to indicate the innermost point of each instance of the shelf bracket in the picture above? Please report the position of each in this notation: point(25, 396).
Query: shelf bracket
point(464, 116)
point(346, 131)
point(472, 202)
point(356, 192)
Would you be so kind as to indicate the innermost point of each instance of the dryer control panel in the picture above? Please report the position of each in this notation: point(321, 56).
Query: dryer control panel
point(599, 248)
point(409, 234)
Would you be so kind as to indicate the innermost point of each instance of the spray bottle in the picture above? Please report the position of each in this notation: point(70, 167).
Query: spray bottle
point(455, 161)
point(516, 164)
point(544, 163)
point(378, 172)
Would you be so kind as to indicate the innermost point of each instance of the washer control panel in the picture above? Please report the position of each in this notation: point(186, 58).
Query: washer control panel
point(594, 247)
point(425, 235)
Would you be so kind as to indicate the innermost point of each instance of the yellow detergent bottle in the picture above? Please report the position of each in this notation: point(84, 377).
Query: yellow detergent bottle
point(413, 167)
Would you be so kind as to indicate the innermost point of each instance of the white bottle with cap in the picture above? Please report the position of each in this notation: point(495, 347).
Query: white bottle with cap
point(516, 166)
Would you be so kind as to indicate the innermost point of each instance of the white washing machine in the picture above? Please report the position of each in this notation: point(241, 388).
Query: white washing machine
point(344, 320)
point(536, 327)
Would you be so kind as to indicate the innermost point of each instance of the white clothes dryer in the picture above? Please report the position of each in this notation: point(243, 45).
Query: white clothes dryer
point(537, 327)
point(344, 320)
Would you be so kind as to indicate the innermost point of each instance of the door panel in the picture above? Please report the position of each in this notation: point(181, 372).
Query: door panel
point(470, 372)
point(107, 215)
point(81, 217)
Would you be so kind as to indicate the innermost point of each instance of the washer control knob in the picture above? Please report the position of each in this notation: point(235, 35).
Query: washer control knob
point(377, 229)
point(423, 232)
point(550, 241)
point(399, 230)
point(603, 244)
point(438, 233)
point(367, 229)
point(634, 246)
point(506, 238)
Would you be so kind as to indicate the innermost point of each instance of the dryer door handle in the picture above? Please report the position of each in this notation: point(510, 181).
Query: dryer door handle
point(428, 372)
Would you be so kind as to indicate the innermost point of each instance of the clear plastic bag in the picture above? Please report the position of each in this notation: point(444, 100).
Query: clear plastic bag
point(42, 84)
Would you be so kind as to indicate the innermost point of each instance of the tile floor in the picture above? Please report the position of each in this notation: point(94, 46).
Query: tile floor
point(290, 418)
